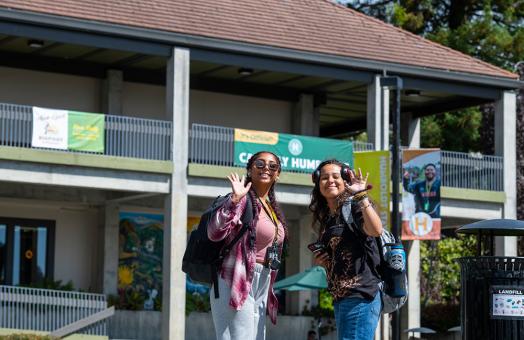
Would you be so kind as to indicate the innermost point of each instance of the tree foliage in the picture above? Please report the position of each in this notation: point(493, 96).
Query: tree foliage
point(492, 31)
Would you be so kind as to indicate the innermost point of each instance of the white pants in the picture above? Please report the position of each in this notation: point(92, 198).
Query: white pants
point(248, 323)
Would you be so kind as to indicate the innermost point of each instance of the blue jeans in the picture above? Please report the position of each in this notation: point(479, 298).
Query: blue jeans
point(357, 318)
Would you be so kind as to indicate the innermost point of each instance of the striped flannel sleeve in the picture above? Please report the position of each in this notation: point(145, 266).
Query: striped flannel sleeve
point(226, 219)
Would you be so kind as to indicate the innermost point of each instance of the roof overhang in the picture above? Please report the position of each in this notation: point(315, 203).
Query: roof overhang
point(154, 42)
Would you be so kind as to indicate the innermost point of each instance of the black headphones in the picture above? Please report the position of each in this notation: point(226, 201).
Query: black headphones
point(344, 173)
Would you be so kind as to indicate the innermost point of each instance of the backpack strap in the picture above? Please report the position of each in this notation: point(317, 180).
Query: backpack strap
point(247, 218)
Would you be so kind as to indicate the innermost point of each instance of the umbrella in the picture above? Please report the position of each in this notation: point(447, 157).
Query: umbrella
point(312, 278)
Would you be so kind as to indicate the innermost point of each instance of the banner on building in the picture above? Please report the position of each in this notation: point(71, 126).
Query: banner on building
point(50, 128)
point(68, 130)
point(377, 164)
point(298, 153)
point(421, 180)
point(141, 238)
point(86, 132)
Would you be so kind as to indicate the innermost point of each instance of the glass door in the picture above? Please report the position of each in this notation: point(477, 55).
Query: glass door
point(26, 254)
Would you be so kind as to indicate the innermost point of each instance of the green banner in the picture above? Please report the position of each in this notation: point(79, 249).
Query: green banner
point(296, 152)
point(86, 132)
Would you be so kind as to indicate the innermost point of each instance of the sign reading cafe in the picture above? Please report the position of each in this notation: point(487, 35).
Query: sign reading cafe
point(296, 153)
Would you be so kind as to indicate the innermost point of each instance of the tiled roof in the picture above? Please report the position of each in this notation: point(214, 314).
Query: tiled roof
point(319, 26)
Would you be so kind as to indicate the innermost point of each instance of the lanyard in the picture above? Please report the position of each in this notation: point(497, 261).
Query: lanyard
point(273, 217)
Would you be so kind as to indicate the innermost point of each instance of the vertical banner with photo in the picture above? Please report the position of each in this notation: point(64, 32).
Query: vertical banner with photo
point(377, 164)
point(421, 179)
point(49, 128)
point(296, 153)
point(141, 238)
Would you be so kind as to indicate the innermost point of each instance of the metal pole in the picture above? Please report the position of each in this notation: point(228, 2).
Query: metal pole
point(396, 83)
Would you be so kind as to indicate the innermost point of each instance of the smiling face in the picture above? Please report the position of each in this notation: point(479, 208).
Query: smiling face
point(331, 184)
point(430, 172)
point(265, 169)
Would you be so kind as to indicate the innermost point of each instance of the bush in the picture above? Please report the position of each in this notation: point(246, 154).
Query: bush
point(441, 317)
point(440, 280)
point(25, 337)
point(197, 303)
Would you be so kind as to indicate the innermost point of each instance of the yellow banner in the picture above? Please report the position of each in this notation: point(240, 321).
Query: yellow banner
point(258, 137)
point(377, 164)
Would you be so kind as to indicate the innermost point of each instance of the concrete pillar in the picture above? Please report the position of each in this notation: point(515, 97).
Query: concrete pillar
point(174, 280)
point(505, 146)
point(111, 242)
point(306, 117)
point(112, 92)
point(410, 313)
point(300, 258)
point(378, 115)
point(410, 131)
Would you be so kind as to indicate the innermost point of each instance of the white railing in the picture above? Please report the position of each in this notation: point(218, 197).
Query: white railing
point(213, 145)
point(124, 136)
point(48, 310)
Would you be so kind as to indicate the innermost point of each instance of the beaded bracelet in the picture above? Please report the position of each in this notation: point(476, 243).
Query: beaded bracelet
point(362, 208)
point(360, 196)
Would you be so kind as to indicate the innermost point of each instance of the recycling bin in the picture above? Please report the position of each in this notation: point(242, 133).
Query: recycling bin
point(492, 287)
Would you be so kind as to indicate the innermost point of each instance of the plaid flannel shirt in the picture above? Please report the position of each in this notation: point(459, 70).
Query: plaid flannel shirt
point(239, 265)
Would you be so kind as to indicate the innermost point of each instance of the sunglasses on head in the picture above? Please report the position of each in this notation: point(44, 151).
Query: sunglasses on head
point(261, 164)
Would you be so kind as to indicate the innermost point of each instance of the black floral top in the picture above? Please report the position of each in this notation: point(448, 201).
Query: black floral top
point(354, 257)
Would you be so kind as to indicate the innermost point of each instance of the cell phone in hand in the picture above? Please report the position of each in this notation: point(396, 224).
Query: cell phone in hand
point(317, 247)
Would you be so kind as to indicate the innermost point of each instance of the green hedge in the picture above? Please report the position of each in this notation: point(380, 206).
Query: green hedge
point(25, 337)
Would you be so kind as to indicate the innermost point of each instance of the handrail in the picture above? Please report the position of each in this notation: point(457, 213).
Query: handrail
point(214, 145)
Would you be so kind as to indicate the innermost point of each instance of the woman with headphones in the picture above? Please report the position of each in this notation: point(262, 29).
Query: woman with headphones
point(347, 225)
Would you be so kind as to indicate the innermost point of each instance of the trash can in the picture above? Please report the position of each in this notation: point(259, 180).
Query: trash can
point(492, 287)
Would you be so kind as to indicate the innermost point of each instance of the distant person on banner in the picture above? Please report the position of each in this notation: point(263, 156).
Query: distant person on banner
point(426, 192)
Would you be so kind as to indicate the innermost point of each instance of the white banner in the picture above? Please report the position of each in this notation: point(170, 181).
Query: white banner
point(50, 128)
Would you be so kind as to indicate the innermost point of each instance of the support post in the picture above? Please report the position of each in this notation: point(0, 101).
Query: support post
point(112, 92)
point(505, 146)
point(410, 314)
point(378, 115)
point(110, 277)
point(174, 280)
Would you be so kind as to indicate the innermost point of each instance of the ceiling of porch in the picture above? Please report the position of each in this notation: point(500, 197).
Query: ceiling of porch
point(342, 102)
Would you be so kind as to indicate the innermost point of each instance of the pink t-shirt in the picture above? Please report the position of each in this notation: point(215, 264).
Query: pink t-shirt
point(265, 235)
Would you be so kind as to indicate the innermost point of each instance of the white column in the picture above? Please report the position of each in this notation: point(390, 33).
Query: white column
point(110, 249)
point(306, 117)
point(378, 115)
point(112, 92)
point(378, 135)
point(174, 280)
point(410, 313)
point(410, 131)
point(505, 146)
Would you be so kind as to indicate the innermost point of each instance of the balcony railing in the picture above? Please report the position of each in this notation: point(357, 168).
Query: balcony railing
point(124, 136)
point(213, 145)
point(48, 310)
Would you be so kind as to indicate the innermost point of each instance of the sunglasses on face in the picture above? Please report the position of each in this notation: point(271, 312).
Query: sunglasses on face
point(261, 164)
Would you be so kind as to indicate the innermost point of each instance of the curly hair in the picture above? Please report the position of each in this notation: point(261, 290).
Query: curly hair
point(319, 206)
point(271, 194)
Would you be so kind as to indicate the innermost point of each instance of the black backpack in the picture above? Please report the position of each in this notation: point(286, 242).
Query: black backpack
point(203, 258)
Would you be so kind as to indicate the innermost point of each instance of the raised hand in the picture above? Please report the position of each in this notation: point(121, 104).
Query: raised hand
point(239, 187)
point(358, 182)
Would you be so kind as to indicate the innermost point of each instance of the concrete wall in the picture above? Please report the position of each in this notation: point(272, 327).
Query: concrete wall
point(19, 86)
point(54, 90)
point(76, 238)
point(139, 325)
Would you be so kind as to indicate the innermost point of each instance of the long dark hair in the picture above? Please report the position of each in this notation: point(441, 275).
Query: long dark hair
point(318, 205)
point(271, 193)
